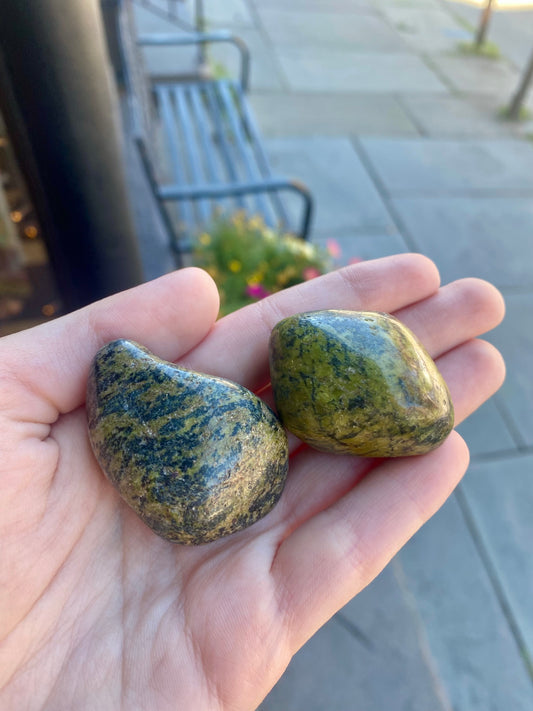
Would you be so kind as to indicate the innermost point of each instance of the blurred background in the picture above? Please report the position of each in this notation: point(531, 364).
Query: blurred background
point(410, 123)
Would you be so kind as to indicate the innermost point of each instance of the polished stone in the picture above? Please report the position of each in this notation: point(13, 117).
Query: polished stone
point(357, 383)
point(196, 457)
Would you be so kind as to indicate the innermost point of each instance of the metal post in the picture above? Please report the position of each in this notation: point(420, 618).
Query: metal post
point(62, 114)
point(513, 111)
point(484, 24)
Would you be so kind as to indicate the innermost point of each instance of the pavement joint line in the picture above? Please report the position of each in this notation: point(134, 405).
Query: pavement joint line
point(411, 115)
point(517, 290)
point(491, 570)
point(428, 61)
point(259, 26)
point(508, 418)
point(459, 19)
point(458, 193)
point(503, 455)
point(353, 630)
point(421, 636)
point(383, 193)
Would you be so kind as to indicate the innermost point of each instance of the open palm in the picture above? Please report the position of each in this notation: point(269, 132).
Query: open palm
point(96, 612)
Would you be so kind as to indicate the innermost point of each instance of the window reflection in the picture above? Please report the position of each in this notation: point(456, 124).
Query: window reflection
point(28, 293)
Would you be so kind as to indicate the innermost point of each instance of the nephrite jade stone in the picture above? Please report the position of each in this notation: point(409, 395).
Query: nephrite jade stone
point(358, 383)
point(196, 456)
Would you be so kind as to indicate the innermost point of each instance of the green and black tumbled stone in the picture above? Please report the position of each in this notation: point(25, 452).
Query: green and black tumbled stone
point(358, 383)
point(196, 456)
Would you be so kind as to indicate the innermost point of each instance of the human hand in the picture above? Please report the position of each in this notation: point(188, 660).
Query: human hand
point(96, 612)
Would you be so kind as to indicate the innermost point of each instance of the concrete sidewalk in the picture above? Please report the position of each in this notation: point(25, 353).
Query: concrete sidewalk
point(397, 134)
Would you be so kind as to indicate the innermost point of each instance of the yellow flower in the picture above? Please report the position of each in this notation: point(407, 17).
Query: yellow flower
point(204, 239)
point(255, 278)
point(235, 266)
point(238, 218)
point(285, 275)
point(256, 222)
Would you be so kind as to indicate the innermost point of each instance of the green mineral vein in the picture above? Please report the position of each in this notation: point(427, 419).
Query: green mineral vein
point(197, 457)
point(359, 383)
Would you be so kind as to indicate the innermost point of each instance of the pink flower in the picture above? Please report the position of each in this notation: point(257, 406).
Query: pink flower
point(257, 291)
point(333, 248)
point(310, 273)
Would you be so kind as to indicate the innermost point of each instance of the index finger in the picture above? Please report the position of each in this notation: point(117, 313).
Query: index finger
point(45, 368)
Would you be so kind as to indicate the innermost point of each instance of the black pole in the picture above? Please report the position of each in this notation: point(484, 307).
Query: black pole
point(519, 96)
point(62, 114)
point(483, 24)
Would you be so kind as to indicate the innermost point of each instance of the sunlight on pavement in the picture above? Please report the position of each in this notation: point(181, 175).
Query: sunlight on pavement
point(499, 4)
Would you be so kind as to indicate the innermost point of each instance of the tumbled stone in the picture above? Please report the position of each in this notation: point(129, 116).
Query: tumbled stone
point(359, 383)
point(196, 456)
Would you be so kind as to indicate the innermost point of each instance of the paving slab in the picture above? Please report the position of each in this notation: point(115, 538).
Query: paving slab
point(486, 431)
point(163, 60)
point(510, 29)
point(357, 246)
point(486, 237)
point(514, 338)
point(469, 638)
point(229, 14)
point(447, 165)
point(148, 21)
point(500, 498)
point(458, 116)
point(348, 30)
point(322, 114)
point(314, 5)
point(345, 196)
point(265, 71)
point(421, 4)
point(426, 29)
point(324, 69)
point(363, 659)
point(477, 75)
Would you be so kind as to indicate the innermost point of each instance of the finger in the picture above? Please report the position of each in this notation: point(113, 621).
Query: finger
point(237, 346)
point(458, 312)
point(335, 554)
point(169, 316)
point(474, 372)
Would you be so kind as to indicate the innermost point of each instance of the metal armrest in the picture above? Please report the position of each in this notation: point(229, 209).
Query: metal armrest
point(164, 39)
point(186, 192)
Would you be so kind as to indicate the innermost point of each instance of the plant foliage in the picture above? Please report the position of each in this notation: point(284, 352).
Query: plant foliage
point(249, 260)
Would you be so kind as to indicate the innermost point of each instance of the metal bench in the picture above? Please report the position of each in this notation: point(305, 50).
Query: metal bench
point(213, 155)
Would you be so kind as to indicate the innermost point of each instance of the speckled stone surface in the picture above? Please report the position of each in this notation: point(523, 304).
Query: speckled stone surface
point(197, 457)
point(358, 383)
